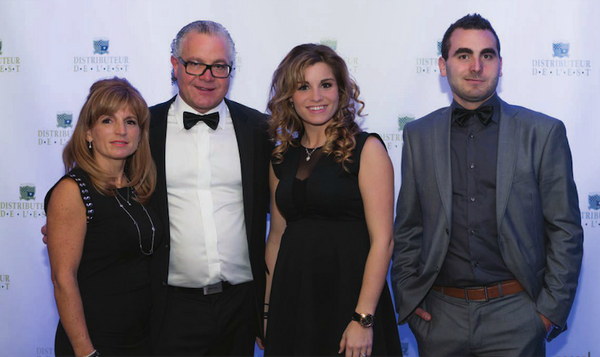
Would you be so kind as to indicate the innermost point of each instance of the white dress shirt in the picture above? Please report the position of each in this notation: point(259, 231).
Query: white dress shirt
point(206, 208)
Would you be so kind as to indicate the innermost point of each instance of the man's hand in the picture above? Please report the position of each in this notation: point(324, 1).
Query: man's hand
point(547, 323)
point(44, 231)
point(260, 343)
point(423, 314)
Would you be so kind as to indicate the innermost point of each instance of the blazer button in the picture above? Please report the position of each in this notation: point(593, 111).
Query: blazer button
point(167, 246)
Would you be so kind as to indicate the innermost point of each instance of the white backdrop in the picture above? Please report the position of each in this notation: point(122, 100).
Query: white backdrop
point(550, 53)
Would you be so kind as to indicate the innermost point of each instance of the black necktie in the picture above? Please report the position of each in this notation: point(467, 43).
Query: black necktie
point(191, 119)
point(484, 114)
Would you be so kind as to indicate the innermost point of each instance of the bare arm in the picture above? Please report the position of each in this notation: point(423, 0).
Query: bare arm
point(66, 232)
point(376, 183)
point(276, 229)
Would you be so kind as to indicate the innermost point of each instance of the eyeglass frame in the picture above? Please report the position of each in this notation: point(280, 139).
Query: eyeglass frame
point(207, 68)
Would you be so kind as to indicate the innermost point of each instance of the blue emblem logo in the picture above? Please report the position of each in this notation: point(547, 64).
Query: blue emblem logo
point(64, 120)
point(329, 42)
point(439, 48)
point(560, 49)
point(594, 200)
point(27, 192)
point(403, 120)
point(0, 47)
point(101, 46)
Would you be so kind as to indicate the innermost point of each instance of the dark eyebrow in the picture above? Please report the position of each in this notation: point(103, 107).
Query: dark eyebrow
point(489, 50)
point(462, 50)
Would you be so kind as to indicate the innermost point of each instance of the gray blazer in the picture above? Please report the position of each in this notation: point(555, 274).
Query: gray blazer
point(539, 223)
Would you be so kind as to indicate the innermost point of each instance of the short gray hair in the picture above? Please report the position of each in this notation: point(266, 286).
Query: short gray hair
point(205, 27)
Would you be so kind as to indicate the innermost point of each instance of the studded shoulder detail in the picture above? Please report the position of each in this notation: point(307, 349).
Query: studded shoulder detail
point(85, 195)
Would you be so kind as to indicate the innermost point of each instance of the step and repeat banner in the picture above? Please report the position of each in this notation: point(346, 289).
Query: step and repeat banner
point(52, 51)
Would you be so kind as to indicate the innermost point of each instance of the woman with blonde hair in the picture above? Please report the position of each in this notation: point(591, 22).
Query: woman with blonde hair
point(330, 240)
point(101, 234)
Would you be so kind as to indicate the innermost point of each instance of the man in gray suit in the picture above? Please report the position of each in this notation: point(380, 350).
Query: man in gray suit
point(488, 236)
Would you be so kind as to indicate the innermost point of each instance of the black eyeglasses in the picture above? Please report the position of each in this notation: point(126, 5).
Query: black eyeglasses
point(219, 70)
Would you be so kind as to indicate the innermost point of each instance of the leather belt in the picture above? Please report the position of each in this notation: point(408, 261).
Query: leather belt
point(482, 293)
point(207, 290)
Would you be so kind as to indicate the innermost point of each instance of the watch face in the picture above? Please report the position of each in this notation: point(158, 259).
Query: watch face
point(366, 320)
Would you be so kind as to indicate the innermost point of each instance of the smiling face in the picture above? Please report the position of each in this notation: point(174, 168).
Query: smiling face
point(316, 99)
point(114, 138)
point(473, 66)
point(204, 92)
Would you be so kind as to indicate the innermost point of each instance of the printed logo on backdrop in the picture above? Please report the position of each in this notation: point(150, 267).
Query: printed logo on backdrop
point(27, 191)
point(59, 133)
point(23, 205)
point(591, 216)
point(351, 61)
point(393, 140)
point(561, 63)
point(4, 282)
point(100, 61)
point(101, 46)
point(429, 64)
point(8, 64)
point(44, 352)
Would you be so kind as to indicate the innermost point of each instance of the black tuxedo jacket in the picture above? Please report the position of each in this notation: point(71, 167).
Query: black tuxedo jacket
point(255, 150)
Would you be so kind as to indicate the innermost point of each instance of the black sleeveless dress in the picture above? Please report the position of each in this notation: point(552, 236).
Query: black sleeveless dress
point(321, 259)
point(114, 274)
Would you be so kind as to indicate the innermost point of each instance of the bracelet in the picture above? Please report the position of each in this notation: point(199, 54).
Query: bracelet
point(95, 353)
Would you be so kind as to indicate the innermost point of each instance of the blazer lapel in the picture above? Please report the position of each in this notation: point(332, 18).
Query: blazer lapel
point(158, 138)
point(508, 137)
point(441, 157)
point(245, 140)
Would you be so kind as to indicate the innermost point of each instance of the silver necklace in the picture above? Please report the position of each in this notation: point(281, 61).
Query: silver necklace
point(135, 222)
point(309, 153)
point(124, 199)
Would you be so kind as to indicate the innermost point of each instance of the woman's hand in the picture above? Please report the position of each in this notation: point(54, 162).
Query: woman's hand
point(357, 340)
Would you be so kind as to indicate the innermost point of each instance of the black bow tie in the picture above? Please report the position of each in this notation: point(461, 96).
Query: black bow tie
point(191, 119)
point(484, 114)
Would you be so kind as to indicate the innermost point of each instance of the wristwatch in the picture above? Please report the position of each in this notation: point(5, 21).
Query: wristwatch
point(365, 320)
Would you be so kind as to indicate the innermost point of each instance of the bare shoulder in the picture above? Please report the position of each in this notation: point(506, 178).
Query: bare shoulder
point(65, 197)
point(373, 149)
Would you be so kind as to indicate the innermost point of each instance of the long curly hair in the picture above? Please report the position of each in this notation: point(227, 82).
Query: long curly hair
point(285, 125)
point(107, 97)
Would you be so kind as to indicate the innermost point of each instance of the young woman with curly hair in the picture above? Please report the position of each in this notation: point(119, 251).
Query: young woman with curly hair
point(332, 194)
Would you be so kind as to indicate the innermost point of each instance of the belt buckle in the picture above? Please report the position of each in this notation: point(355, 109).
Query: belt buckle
point(485, 291)
point(213, 289)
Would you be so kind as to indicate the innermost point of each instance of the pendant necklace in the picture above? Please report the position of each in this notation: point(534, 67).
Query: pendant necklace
point(309, 153)
point(135, 222)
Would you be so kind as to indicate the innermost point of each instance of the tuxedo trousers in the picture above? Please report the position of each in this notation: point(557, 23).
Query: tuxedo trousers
point(506, 326)
point(218, 324)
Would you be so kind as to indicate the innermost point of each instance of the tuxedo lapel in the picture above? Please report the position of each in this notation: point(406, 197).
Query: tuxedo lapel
point(244, 134)
point(508, 137)
point(441, 157)
point(158, 138)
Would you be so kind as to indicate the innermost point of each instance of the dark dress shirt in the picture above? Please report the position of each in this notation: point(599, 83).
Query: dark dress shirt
point(473, 257)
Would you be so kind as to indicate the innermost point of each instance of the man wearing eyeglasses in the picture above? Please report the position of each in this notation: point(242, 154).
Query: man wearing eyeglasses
point(212, 159)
